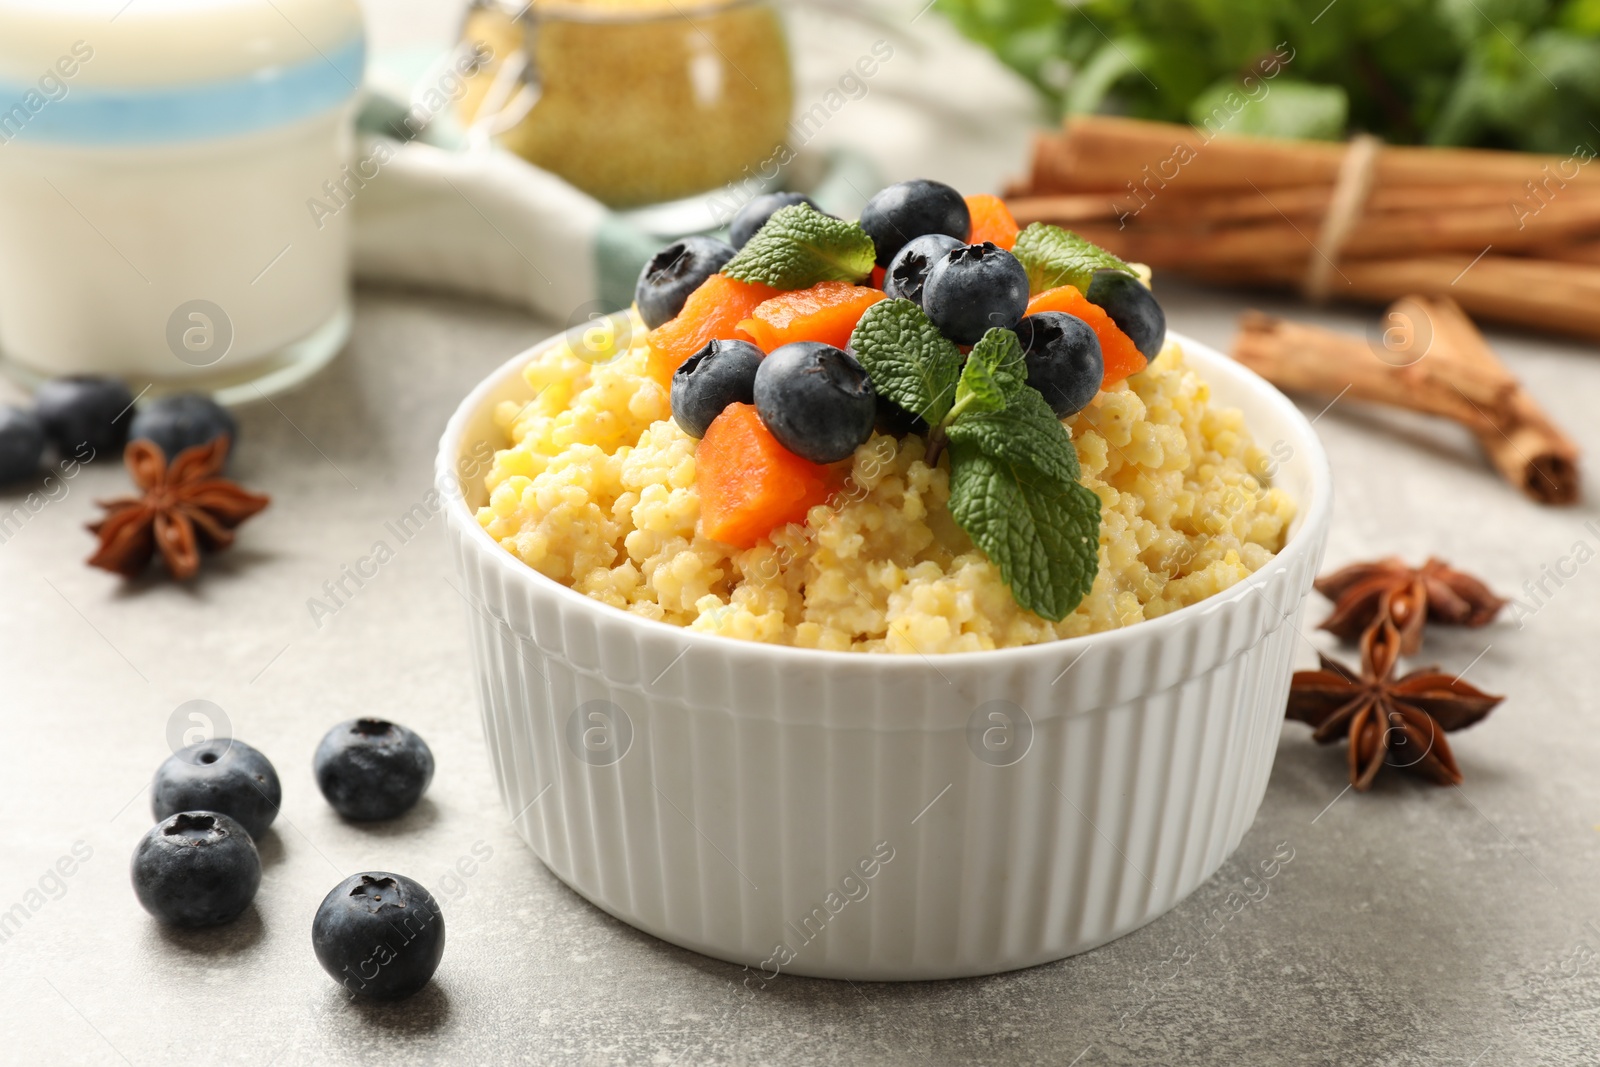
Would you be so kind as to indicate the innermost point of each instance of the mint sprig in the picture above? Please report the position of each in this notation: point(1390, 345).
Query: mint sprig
point(799, 247)
point(1055, 257)
point(1043, 533)
point(1014, 472)
point(907, 358)
point(1026, 431)
point(995, 371)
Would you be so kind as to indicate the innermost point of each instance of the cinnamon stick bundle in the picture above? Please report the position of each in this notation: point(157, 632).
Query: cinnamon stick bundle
point(1512, 237)
point(1179, 204)
point(1102, 153)
point(1440, 365)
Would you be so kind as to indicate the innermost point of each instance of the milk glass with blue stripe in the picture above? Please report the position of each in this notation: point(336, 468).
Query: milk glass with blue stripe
point(176, 179)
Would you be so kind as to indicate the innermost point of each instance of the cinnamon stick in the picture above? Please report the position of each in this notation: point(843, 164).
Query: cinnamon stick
point(1445, 369)
point(1512, 237)
point(1176, 204)
point(1577, 251)
point(1105, 153)
point(1563, 297)
point(1273, 232)
point(1522, 441)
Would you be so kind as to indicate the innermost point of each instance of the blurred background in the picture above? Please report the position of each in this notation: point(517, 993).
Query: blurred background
point(228, 167)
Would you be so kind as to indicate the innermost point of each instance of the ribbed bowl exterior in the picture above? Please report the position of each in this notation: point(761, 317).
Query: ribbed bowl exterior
point(885, 817)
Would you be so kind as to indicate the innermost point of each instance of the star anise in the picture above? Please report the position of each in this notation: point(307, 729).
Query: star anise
point(1363, 593)
point(186, 507)
point(1398, 721)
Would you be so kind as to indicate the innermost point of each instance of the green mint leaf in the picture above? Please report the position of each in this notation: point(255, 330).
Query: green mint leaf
point(994, 373)
point(1025, 431)
point(907, 358)
point(1043, 533)
point(1014, 481)
point(1054, 257)
point(799, 247)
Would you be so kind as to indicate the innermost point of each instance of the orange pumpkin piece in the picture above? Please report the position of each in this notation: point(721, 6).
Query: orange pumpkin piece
point(992, 221)
point(1122, 356)
point(826, 312)
point(712, 313)
point(750, 484)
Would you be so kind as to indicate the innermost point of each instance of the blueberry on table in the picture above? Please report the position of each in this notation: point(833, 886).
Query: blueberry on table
point(182, 421)
point(371, 769)
point(816, 400)
point(754, 215)
point(22, 443)
point(221, 775)
point(675, 272)
point(1063, 358)
point(721, 373)
point(198, 868)
point(1132, 307)
point(908, 271)
point(975, 289)
point(380, 935)
point(84, 410)
point(903, 212)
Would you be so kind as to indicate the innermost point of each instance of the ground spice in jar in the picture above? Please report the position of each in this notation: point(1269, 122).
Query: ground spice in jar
point(643, 101)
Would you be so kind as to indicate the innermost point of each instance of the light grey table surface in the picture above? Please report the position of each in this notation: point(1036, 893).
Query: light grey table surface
point(1414, 924)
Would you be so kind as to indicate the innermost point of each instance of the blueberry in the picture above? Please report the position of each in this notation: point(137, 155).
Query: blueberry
point(371, 769)
point(755, 214)
point(182, 421)
point(816, 399)
point(908, 271)
point(901, 213)
point(675, 272)
point(380, 935)
point(1063, 359)
point(21, 443)
point(974, 289)
point(198, 868)
point(221, 775)
point(84, 410)
point(1132, 307)
point(721, 373)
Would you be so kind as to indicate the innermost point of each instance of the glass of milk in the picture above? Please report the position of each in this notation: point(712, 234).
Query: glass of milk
point(165, 176)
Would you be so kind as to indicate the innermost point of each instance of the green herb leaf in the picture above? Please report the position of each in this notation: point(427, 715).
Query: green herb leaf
point(1291, 109)
point(1055, 257)
point(995, 371)
point(1013, 469)
point(907, 358)
point(1043, 533)
point(799, 247)
point(1014, 481)
point(1026, 431)
point(1494, 73)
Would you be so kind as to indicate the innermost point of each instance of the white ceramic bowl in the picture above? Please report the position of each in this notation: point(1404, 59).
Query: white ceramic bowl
point(845, 815)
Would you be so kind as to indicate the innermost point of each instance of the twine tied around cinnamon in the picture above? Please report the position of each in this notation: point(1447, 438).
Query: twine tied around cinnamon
point(1350, 191)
